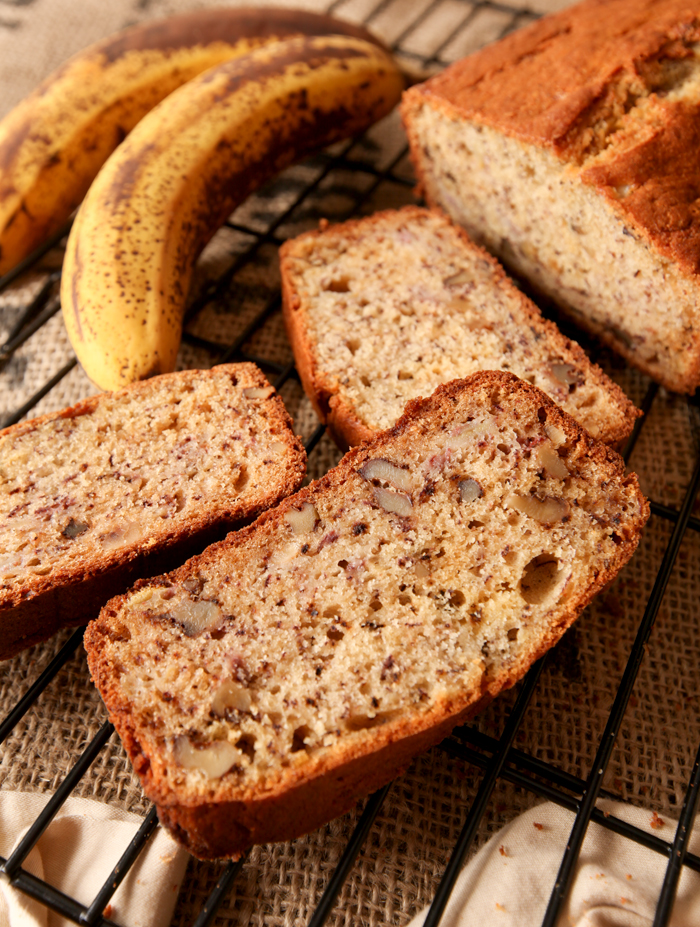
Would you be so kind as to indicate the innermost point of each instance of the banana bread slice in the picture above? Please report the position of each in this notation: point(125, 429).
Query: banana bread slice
point(384, 309)
point(569, 149)
point(267, 683)
point(130, 483)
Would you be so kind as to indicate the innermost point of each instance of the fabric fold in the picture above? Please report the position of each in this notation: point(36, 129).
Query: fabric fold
point(77, 853)
point(617, 883)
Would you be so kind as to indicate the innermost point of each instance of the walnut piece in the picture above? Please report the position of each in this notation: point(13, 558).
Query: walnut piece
point(567, 374)
point(195, 617)
point(470, 490)
point(230, 695)
point(213, 760)
point(552, 462)
point(547, 511)
point(470, 319)
point(387, 472)
point(472, 433)
point(258, 392)
point(395, 502)
point(141, 596)
point(302, 520)
point(461, 278)
point(127, 533)
point(555, 434)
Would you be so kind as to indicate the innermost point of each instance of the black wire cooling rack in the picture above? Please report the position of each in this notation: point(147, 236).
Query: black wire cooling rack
point(490, 758)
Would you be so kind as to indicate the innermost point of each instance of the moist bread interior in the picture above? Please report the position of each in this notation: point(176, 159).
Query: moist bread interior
point(393, 305)
point(568, 149)
point(431, 567)
point(131, 471)
point(531, 209)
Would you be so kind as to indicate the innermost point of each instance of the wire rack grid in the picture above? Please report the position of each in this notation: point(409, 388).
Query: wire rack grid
point(516, 754)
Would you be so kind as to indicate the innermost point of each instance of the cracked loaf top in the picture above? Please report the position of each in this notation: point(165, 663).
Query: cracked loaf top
point(613, 88)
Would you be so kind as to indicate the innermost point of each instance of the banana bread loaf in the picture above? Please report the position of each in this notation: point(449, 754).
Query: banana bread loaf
point(569, 150)
point(384, 309)
point(130, 483)
point(267, 683)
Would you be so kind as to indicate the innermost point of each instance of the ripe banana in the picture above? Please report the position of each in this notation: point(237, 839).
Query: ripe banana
point(182, 171)
point(53, 143)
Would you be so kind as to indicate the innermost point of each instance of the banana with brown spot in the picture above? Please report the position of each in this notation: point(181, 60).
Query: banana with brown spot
point(183, 170)
point(53, 143)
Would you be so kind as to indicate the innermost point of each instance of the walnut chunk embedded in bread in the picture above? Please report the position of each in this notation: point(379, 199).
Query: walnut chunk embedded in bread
point(129, 483)
point(568, 150)
point(383, 309)
point(302, 662)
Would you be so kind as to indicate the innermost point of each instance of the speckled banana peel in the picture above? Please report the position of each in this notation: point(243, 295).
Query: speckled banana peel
point(53, 143)
point(180, 174)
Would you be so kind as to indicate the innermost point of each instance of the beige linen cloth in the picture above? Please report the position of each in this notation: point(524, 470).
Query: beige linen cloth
point(77, 853)
point(617, 882)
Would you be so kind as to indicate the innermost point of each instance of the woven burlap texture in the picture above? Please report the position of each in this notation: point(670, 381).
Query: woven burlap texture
point(402, 859)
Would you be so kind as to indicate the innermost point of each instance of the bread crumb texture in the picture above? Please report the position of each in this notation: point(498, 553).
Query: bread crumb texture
point(357, 622)
point(384, 309)
point(124, 474)
point(566, 149)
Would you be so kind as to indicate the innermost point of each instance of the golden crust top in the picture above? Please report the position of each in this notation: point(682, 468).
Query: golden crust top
point(600, 85)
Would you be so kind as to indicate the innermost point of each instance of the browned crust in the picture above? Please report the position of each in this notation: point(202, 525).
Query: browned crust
point(411, 103)
point(34, 610)
point(341, 418)
point(226, 828)
point(664, 180)
point(539, 82)
point(206, 831)
point(345, 427)
point(554, 83)
point(229, 820)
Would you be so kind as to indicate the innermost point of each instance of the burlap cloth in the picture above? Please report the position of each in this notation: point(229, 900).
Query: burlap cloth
point(404, 855)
